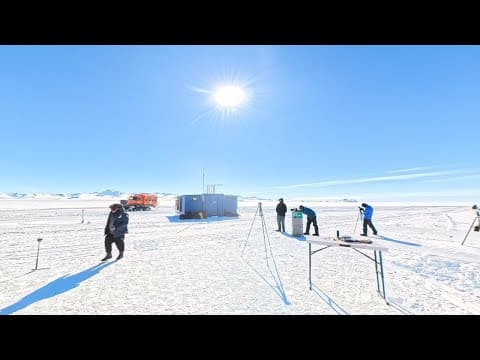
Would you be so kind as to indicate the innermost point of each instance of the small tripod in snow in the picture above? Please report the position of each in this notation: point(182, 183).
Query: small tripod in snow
point(475, 228)
point(259, 212)
point(360, 216)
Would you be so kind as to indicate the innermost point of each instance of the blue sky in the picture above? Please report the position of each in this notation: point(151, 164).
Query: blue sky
point(364, 122)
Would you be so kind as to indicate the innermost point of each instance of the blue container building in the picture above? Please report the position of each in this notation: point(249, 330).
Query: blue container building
point(205, 205)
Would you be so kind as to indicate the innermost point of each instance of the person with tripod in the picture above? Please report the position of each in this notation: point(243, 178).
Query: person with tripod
point(367, 212)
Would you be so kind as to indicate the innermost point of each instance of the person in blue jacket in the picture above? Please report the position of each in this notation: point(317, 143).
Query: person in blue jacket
point(311, 219)
point(367, 212)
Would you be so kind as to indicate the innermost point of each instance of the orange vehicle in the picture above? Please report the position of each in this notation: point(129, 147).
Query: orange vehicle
point(138, 202)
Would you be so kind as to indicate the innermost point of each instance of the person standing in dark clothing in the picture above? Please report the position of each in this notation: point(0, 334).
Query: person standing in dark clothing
point(311, 219)
point(367, 212)
point(281, 211)
point(115, 230)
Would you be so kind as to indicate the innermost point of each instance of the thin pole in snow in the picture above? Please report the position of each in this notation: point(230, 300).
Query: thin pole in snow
point(38, 252)
point(358, 217)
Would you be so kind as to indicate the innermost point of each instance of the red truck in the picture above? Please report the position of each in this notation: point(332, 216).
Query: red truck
point(139, 202)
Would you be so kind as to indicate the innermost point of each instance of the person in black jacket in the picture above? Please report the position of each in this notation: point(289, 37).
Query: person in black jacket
point(115, 230)
point(281, 210)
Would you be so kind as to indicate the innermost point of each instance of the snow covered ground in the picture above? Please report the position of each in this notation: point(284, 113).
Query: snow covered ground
point(174, 266)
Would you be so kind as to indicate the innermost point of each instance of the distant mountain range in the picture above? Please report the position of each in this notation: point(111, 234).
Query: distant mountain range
point(106, 194)
point(115, 194)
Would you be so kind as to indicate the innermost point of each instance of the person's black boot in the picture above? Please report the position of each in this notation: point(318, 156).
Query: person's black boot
point(120, 255)
point(108, 256)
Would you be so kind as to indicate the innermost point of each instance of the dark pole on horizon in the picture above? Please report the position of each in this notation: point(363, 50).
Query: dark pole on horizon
point(83, 219)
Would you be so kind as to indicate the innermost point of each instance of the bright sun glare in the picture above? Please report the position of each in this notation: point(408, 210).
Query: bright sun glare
point(229, 96)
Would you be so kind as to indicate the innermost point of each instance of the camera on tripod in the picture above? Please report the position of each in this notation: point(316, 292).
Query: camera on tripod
point(473, 226)
point(476, 228)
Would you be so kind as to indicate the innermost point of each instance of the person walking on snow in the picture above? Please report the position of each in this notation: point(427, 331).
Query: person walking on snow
point(311, 219)
point(281, 211)
point(115, 230)
point(367, 212)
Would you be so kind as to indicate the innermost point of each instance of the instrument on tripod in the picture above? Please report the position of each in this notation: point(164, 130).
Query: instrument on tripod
point(360, 215)
point(477, 218)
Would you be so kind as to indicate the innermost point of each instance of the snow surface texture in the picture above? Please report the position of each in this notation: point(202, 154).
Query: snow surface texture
point(174, 266)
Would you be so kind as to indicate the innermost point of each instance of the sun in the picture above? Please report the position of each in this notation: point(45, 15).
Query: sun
point(225, 100)
point(229, 96)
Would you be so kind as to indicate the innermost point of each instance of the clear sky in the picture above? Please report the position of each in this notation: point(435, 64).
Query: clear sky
point(363, 122)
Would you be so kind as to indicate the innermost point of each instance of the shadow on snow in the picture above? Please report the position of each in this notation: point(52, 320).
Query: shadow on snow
point(296, 237)
point(328, 300)
point(54, 288)
point(399, 241)
point(277, 288)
